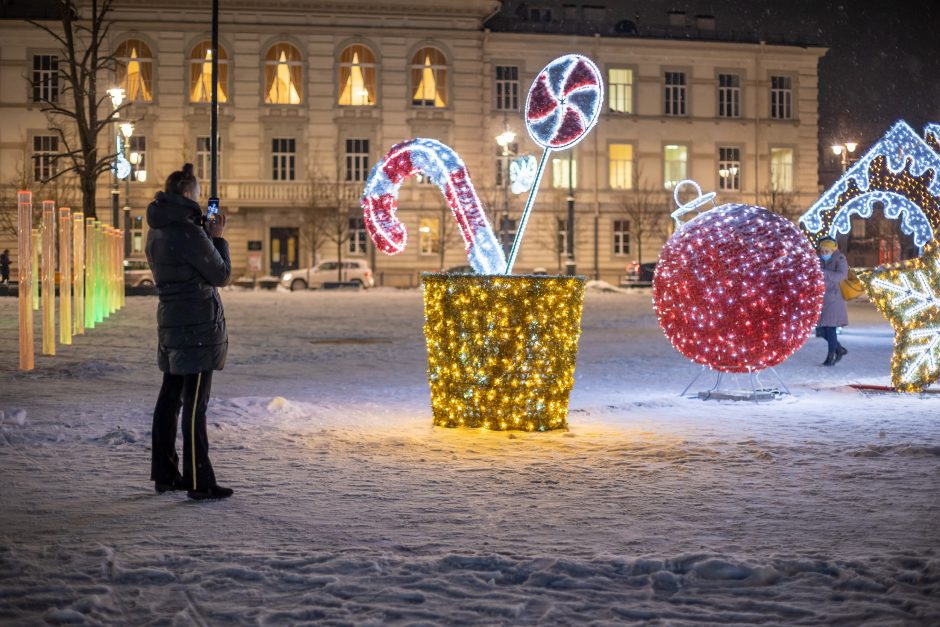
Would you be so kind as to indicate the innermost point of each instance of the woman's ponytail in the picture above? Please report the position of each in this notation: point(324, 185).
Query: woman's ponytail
point(181, 181)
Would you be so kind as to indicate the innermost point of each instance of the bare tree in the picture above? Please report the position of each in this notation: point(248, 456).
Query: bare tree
point(782, 203)
point(326, 218)
point(54, 189)
point(647, 209)
point(73, 113)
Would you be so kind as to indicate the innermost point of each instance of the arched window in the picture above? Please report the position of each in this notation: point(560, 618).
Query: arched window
point(357, 76)
point(135, 70)
point(200, 73)
point(283, 75)
point(429, 78)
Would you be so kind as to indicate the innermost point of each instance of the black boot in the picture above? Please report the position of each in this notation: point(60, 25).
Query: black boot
point(176, 484)
point(214, 492)
point(830, 360)
point(840, 353)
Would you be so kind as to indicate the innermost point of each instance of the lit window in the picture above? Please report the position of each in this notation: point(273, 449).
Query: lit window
point(729, 96)
point(621, 234)
point(781, 97)
point(283, 75)
point(200, 73)
point(45, 161)
point(674, 95)
point(45, 78)
point(563, 171)
point(621, 166)
point(283, 154)
point(675, 165)
point(357, 76)
point(357, 160)
point(729, 169)
point(507, 87)
point(137, 233)
point(429, 78)
point(135, 70)
point(620, 88)
point(429, 238)
point(781, 169)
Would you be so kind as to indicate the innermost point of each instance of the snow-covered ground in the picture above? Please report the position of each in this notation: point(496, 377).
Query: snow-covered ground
point(823, 507)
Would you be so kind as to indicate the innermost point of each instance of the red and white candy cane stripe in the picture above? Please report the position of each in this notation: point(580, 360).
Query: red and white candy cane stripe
point(444, 167)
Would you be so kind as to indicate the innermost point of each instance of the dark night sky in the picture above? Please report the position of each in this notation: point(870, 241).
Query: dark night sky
point(883, 62)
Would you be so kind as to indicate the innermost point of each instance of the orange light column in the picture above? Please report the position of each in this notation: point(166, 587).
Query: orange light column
point(48, 277)
point(24, 262)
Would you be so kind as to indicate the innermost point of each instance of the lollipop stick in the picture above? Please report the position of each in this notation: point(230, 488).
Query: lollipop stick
point(528, 209)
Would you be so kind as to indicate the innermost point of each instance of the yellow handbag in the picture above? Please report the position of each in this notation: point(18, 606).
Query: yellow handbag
point(851, 286)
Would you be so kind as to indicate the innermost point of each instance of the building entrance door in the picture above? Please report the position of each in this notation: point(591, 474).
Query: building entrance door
point(284, 249)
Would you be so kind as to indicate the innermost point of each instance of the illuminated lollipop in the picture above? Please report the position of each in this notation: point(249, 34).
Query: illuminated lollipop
point(563, 105)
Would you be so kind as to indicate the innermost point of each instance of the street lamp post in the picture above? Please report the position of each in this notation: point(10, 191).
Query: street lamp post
point(117, 97)
point(843, 151)
point(570, 268)
point(505, 140)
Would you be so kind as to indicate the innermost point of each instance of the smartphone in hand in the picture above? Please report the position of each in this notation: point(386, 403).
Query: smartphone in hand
point(213, 209)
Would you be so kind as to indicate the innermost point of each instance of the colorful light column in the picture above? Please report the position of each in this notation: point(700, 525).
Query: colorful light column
point(24, 238)
point(65, 276)
point(48, 277)
point(36, 247)
point(78, 269)
point(90, 273)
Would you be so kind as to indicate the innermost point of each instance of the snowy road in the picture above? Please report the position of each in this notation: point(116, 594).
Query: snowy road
point(351, 508)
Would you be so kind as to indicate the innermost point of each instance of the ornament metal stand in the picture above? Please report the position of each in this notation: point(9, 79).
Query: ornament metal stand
point(756, 391)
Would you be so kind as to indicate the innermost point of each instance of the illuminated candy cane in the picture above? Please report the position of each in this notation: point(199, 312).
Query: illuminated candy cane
point(446, 170)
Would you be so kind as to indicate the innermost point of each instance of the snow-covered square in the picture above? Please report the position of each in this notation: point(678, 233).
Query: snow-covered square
point(350, 507)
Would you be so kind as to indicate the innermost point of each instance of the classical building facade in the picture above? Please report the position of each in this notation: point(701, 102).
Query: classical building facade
point(313, 93)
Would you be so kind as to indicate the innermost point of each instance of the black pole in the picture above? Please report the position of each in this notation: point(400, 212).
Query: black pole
point(570, 263)
point(214, 130)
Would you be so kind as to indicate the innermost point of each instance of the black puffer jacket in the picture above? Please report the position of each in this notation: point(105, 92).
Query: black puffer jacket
point(187, 267)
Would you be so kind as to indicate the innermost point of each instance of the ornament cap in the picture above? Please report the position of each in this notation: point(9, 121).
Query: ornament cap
point(693, 204)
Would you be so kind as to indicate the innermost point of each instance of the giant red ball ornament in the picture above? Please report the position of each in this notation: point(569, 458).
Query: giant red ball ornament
point(738, 288)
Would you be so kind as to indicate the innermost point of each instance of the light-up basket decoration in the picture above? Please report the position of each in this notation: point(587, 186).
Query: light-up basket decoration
point(502, 349)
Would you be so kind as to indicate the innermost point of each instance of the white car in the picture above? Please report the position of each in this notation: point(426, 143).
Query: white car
point(353, 271)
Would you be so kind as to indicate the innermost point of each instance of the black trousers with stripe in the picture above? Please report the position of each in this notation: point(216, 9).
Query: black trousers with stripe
point(188, 394)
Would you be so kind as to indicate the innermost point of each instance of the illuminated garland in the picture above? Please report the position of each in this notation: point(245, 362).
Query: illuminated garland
point(444, 167)
point(501, 350)
point(908, 294)
point(901, 172)
point(738, 288)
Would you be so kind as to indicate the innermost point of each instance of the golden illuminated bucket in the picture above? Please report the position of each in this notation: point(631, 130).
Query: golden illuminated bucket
point(502, 349)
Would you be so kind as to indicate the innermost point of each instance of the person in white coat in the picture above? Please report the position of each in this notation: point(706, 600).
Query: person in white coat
point(835, 313)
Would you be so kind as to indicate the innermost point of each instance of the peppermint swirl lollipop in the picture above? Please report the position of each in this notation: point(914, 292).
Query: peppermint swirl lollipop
point(564, 102)
point(563, 105)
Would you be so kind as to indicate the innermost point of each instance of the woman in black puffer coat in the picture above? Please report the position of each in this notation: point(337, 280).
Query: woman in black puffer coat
point(189, 259)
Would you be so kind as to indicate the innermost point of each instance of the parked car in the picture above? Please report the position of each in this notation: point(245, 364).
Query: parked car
point(639, 274)
point(353, 271)
point(137, 273)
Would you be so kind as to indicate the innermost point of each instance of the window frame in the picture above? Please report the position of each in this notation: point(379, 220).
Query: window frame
point(770, 167)
point(432, 236)
point(688, 161)
point(631, 101)
point(289, 168)
point(735, 91)
point(43, 158)
point(375, 65)
point(448, 76)
point(54, 75)
point(225, 73)
point(203, 170)
point(572, 175)
point(354, 158)
point(357, 242)
point(610, 162)
point(789, 94)
point(684, 91)
point(140, 59)
point(514, 83)
point(301, 63)
point(614, 233)
point(736, 176)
